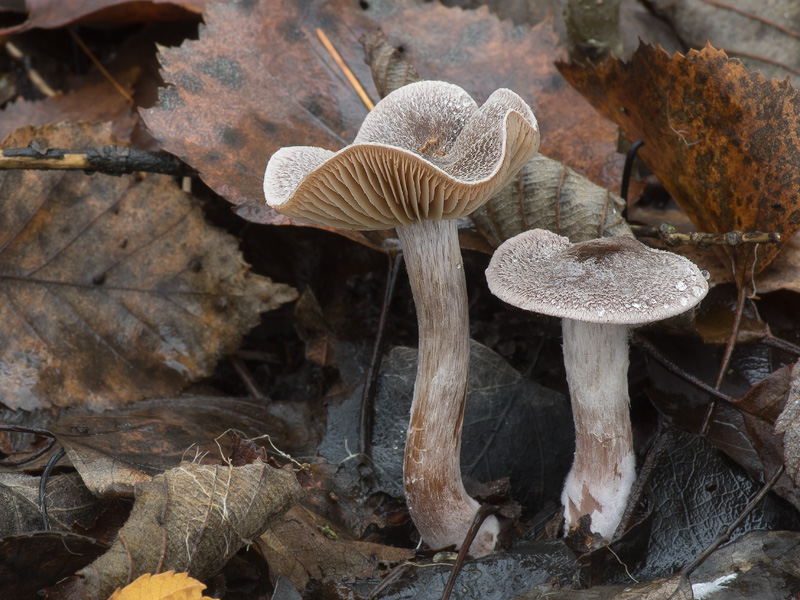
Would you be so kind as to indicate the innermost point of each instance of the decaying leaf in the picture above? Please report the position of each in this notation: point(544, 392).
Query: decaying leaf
point(97, 101)
point(788, 423)
point(164, 586)
point(239, 92)
point(549, 195)
point(114, 288)
point(758, 33)
point(301, 545)
point(192, 519)
point(48, 14)
point(69, 502)
point(115, 452)
point(32, 561)
point(390, 69)
point(722, 140)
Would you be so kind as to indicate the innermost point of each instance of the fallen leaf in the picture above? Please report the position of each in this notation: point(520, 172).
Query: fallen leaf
point(115, 452)
point(722, 140)
point(33, 561)
point(759, 34)
point(163, 586)
point(115, 288)
point(97, 101)
point(549, 195)
point(788, 424)
point(49, 14)
point(259, 79)
point(69, 503)
point(301, 546)
point(192, 519)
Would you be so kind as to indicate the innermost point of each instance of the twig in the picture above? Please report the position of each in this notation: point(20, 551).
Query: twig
point(43, 483)
point(671, 237)
point(484, 511)
point(111, 160)
point(345, 69)
point(780, 344)
point(100, 66)
point(655, 353)
point(367, 396)
point(246, 377)
point(36, 79)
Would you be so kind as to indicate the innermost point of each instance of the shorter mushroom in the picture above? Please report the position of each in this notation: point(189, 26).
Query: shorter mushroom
point(600, 289)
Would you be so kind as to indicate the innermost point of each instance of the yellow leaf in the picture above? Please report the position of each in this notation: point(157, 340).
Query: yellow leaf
point(164, 586)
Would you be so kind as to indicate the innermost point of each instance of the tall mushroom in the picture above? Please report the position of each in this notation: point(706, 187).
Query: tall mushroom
point(424, 156)
point(600, 289)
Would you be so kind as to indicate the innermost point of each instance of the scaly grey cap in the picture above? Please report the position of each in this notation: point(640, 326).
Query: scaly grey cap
point(608, 280)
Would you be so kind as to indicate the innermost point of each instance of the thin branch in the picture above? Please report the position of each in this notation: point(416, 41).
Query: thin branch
point(111, 160)
point(671, 237)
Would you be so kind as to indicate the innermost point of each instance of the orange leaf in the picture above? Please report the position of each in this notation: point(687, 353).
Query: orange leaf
point(164, 586)
point(724, 141)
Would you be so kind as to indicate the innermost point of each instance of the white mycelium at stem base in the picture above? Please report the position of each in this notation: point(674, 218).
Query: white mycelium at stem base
point(604, 468)
point(440, 506)
point(424, 156)
point(600, 288)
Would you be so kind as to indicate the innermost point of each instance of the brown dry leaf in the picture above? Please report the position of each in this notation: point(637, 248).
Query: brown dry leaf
point(98, 101)
point(301, 545)
point(259, 79)
point(69, 503)
point(193, 519)
point(49, 14)
point(114, 288)
point(115, 452)
point(314, 330)
point(164, 586)
point(722, 140)
point(788, 423)
point(549, 195)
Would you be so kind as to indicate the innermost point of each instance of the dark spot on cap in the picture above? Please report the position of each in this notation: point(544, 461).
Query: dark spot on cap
point(196, 265)
point(225, 70)
point(600, 252)
point(99, 279)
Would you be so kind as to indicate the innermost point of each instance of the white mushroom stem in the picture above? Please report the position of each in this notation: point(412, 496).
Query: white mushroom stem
point(439, 505)
point(604, 467)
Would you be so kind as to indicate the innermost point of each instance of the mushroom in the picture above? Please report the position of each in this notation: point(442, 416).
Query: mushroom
point(600, 289)
point(424, 156)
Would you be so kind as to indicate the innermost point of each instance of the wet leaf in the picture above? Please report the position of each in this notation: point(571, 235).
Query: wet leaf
point(48, 14)
point(301, 545)
point(549, 195)
point(69, 502)
point(32, 561)
point(513, 427)
point(115, 452)
point(191, 519)
point(722, 140)
point(760, 564)
point(715, 316)
point(163, 586)
point(115, 288)
point(212, 118)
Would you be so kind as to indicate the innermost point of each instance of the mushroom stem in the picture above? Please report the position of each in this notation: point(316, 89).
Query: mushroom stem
point(439, 505)
point(604, 467)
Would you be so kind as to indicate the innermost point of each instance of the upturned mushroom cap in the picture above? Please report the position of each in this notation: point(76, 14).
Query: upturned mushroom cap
point(608, 280)
point(425, 151)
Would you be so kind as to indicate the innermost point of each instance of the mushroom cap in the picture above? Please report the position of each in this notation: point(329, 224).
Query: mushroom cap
point(608, 280)
point(425, 151)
